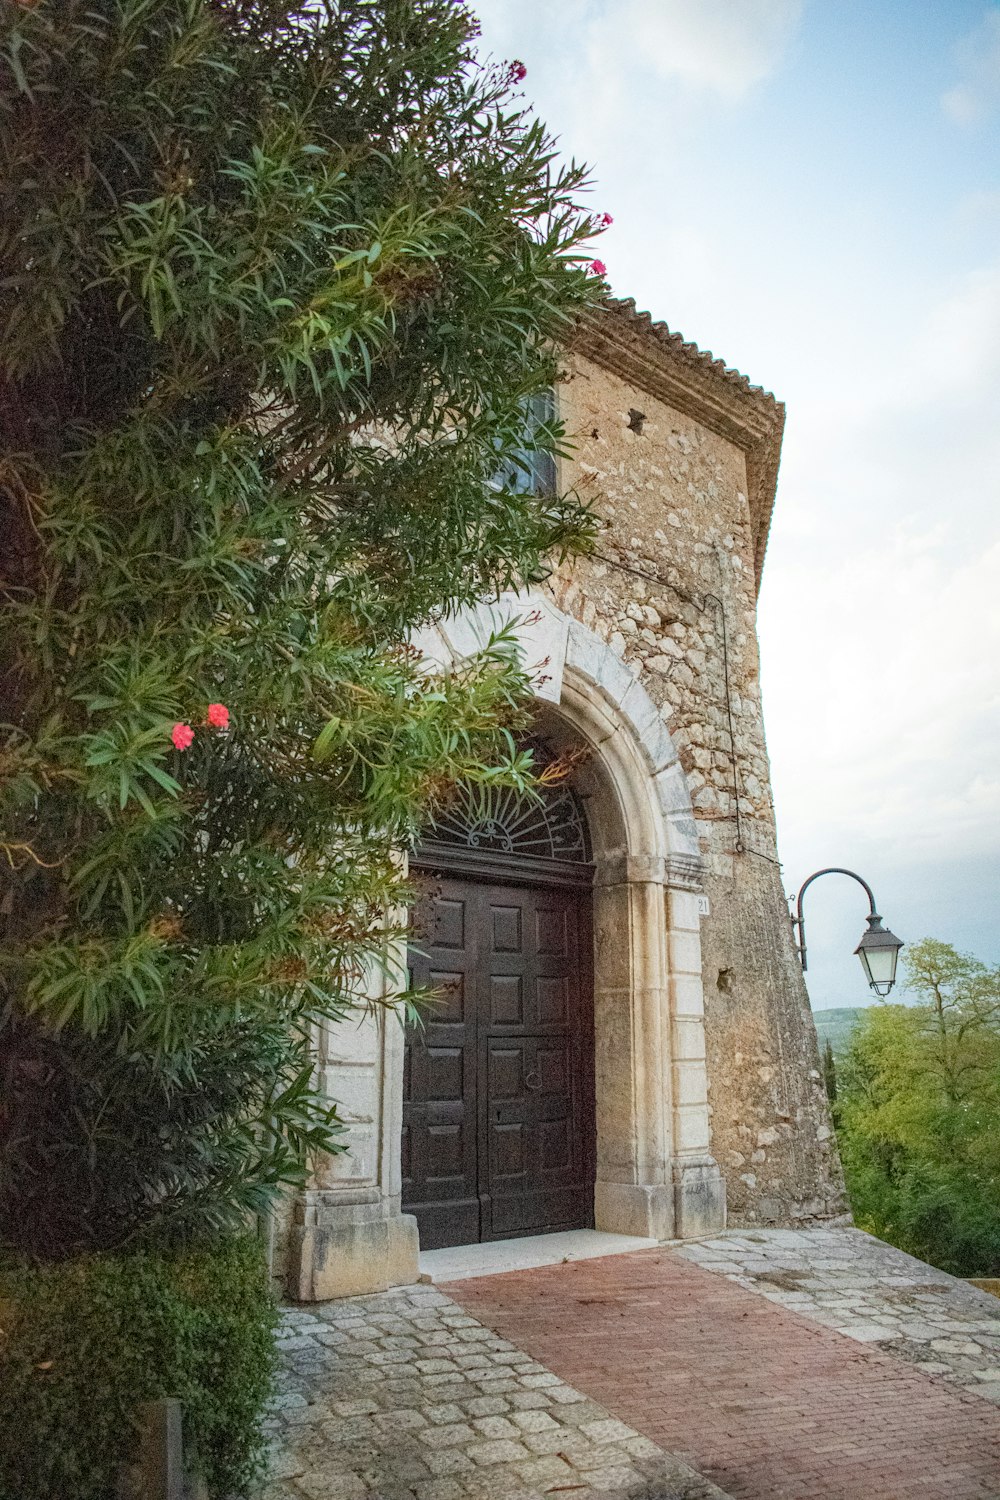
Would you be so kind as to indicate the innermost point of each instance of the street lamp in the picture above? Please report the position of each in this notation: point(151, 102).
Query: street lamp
point(878, 949)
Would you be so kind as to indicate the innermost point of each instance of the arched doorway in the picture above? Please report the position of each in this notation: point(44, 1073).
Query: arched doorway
point(498, 1086)
point(655, 1173)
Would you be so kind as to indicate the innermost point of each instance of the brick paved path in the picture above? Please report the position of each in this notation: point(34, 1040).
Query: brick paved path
point(765, 1403)
point(403, 1396)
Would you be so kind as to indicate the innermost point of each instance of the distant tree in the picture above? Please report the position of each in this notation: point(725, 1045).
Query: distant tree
point(919, 1113)
point(829, 1071)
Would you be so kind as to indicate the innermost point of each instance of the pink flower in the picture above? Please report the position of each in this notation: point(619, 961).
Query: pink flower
point(182, 736)
point(217, 716)
point(604, 221)
point(598, 268)
point(517, 71)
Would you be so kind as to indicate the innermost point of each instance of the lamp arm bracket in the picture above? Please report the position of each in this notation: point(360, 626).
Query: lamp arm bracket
point(798, 921)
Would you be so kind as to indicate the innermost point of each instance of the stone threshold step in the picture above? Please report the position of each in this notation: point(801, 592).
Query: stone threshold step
point(459, 1262)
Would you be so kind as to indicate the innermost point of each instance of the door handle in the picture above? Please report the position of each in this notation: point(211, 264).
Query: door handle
point(533, 1080)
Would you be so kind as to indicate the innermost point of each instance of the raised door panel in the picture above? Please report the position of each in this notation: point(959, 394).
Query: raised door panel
point(508, 1129)
point(535, 1081)
point(557, 963)
point(439, 1144)
point(537, 1156)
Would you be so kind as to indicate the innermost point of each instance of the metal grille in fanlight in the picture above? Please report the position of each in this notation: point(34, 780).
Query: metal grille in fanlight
point(501, 820)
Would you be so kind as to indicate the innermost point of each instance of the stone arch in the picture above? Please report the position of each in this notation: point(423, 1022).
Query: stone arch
point(655, 1172)
point(617, 716)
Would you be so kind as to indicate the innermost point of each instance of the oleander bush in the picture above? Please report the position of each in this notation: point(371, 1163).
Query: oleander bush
point(276, 285)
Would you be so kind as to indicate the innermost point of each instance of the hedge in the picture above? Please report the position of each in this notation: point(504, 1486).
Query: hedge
point(84, 1341)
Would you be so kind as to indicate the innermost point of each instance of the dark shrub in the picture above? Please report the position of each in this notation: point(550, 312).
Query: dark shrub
point(85, 1341)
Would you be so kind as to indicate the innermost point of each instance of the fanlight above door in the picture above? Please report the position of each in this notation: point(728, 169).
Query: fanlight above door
point(498, 826)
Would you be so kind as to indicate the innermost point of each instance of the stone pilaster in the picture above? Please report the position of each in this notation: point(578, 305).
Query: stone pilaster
point(348, 1235)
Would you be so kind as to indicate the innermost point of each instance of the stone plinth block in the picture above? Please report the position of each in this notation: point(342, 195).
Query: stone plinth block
point(644, 1209)
point(348, 1254)
point(699, 1199)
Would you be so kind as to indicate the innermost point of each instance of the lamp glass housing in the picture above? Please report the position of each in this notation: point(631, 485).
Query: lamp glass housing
point(878, 951)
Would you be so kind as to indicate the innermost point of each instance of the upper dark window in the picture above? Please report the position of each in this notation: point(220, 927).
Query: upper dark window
point(533, 472)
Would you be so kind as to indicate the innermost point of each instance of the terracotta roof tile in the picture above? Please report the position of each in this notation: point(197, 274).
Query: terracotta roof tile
point(628, 311)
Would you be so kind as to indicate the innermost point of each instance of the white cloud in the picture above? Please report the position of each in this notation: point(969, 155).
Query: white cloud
point(722, 46)
point(979, 210)
point(887, 736)
point(961, 346)
point(976, 95)
point(615, 56)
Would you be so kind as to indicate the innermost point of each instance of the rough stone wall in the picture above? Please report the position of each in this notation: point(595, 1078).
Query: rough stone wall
point(673, 497)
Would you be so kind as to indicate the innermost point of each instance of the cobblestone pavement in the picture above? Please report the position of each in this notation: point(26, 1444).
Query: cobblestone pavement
point(404, 1396)
point(863, 1288)
point(765, 1401)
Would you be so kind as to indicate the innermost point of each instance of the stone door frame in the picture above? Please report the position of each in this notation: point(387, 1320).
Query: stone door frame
point(655, 1172)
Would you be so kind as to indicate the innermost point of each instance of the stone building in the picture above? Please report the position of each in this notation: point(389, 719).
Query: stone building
point(624, 1038)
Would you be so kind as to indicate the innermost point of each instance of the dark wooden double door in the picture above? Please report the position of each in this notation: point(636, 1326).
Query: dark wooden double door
point(498, 1127)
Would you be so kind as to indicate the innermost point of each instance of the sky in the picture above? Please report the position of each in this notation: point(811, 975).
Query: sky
point(811, 190)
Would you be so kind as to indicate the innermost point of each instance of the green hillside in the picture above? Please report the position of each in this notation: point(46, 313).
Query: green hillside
point(836, 1025)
